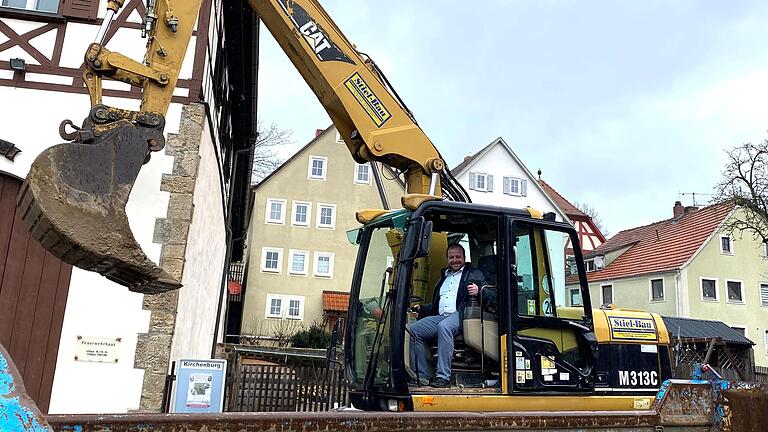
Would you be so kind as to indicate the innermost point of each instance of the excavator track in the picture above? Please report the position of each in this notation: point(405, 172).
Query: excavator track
point(73, 201)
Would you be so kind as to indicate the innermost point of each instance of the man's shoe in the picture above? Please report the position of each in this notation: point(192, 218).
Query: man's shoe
point(421, 382)
point(440, 383)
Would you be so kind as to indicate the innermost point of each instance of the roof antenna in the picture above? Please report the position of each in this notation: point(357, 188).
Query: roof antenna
point(539, 173)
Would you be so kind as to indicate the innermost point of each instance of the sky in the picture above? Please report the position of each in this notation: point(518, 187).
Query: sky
point(628, 106)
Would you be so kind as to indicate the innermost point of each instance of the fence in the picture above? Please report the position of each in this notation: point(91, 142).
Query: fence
point(266, 388)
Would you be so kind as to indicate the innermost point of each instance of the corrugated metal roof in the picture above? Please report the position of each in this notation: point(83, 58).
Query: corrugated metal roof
point(703, 329)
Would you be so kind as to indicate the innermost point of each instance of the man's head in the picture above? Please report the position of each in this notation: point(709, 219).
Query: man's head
point(455, 255)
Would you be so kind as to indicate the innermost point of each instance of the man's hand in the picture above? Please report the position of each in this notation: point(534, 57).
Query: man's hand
point(473, 289)
point(415, 310)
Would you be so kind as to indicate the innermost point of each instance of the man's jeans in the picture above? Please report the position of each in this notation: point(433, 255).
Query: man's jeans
point(445, 329)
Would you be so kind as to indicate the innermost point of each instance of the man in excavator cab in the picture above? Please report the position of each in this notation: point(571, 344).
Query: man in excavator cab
point(441, 318)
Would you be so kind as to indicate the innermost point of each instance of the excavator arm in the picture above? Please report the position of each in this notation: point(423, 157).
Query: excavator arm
point(75, 194)
point(74, 197)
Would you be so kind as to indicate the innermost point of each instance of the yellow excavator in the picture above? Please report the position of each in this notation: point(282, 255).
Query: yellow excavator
point(521, 349)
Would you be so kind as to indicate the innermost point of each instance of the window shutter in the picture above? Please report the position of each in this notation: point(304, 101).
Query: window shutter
point(472, 180)
point(764, 295)
point(524, 187)
point(80, 9)
point(489, 180)
point(506, 185)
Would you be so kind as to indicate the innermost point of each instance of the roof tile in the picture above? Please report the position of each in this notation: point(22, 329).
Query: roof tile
point(335, 301)
point(569, 209)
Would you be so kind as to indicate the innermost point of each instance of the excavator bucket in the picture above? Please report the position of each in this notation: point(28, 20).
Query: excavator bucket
point(73, 201)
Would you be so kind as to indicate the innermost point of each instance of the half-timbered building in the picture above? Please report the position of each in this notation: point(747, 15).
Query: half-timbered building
point(187, 208)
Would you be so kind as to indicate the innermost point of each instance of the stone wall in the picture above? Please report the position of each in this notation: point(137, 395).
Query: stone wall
point(154, 347)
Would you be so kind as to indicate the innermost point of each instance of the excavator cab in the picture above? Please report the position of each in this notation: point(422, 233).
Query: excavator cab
point(517, 339)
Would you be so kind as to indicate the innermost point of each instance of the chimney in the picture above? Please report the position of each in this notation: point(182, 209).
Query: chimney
point(467, 157)
point(678, 210)
point(319, 131)
point(690, 209)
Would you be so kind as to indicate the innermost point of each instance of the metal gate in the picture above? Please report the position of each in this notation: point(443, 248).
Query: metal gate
point(267, 388)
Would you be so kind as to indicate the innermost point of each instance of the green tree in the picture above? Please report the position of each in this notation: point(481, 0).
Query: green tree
point(316, 336)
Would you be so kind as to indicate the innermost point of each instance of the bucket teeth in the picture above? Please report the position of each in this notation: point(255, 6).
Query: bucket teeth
point(73, 201)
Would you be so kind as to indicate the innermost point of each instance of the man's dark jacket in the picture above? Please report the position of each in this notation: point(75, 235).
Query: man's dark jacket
point(469, 275)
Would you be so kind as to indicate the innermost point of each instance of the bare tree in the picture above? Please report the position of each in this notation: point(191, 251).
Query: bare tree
point(268, 141)
point(745, 183)
point(596, 218)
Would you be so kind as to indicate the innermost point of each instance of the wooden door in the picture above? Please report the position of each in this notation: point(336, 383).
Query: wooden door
point(33, 295)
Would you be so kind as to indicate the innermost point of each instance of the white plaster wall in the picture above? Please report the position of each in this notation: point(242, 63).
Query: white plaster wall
point(95, 306)
point(206, 247)
point(499, 163)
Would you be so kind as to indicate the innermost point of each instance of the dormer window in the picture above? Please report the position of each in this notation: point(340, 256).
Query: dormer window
point(595, 264)
point(589, 265)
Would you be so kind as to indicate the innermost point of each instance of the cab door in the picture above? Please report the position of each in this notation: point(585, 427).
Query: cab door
point(551, 347)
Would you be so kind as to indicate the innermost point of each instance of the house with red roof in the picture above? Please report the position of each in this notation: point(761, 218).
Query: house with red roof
point(685, 266)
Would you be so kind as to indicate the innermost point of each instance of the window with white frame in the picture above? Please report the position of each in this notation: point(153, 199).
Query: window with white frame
point(285, 306)
point(589, 265)
point(481, 181)
point(294, 309)
point(606, 294)
point(764, 294)
point(339, 139)
point(298, 262)
point(275, 211)
point(362, 173)
point(657, 289)
point(317, 167)
point(274, 307)
point(726, 245)
point(709, 289)
point(734, 291)
point(301, 213)
point(765, 250)
point(575, 296)
point(326, 216)
point(515, 186)
point(271, 259)
point(324, 264)
point(51, 6)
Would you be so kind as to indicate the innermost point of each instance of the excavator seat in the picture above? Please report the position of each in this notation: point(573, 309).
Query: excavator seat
point(481, 324)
